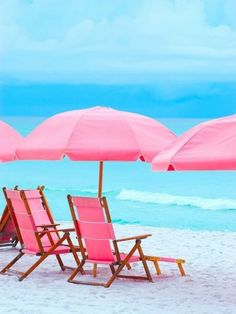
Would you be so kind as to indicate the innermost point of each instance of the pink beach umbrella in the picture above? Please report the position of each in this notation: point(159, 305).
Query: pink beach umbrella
point(9, 139)
point(208, 146)
point(96, 134)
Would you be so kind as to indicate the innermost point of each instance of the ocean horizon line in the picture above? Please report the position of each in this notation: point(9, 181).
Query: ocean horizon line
point(162, 100)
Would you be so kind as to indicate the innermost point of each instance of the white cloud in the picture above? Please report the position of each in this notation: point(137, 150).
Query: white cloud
point(134, 42)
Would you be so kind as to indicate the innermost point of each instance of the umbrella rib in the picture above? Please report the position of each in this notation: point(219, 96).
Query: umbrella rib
point(132, 131)
point(77, 120)
point(180, 146)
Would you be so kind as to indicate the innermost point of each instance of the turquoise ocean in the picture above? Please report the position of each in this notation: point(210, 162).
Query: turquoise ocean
point(136, 194)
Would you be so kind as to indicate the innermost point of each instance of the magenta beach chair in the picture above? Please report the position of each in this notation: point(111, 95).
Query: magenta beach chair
point(96, 238)
point(39, 240)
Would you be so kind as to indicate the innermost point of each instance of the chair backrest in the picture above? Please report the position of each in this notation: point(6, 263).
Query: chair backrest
point(37, 209)
point(97, 237)
point(24, 219)
point(40, 212)
point(91, 225)
point(91, 209)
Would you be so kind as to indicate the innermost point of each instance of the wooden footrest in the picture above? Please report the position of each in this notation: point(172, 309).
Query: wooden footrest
point(156, 259)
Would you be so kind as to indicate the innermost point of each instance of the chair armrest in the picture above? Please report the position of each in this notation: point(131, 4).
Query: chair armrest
point(140, 237)
point(48, 226)
point(55, 230)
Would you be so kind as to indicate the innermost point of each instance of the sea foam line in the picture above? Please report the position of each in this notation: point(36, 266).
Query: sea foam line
point(77, 190)
point(179, 200)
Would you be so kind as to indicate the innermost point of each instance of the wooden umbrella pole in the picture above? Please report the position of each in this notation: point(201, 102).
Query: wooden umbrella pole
point(100, 179)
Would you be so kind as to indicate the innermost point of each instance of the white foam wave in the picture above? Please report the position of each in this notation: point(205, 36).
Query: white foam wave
point(78, 190)
point(168, 199)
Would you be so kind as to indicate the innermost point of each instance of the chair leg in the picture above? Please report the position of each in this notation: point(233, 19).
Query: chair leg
point(74, 253)
point(76, 271)
point(128, 266)
point(181, 269)
point(157, 267)
point(145, 266)
point(114, 276)
point(95, 270)
point(112, 269)
point(43, 257)
point(60, 262)
point(32, 268)
point(123, 264)
point(8, 266)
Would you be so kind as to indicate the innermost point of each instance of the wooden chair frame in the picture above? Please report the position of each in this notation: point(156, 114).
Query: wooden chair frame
point(121, 264)
point(47, 230)
point(156, 259)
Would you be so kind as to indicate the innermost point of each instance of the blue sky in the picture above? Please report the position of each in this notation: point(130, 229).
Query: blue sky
point(181, 49)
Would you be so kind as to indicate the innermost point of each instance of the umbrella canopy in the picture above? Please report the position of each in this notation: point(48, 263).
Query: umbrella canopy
point(208, 146)
point(9, 139)
point(96, 134)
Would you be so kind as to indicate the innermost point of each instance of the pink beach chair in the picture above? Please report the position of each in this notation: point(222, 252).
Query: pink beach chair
point(38, 238)
point(9, 231)
point(96, 210)
point(96, 235)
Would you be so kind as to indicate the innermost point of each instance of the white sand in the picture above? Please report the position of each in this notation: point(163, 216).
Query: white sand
point(209, 287)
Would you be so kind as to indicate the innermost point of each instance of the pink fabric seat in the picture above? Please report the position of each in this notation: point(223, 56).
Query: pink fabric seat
point(90, 209)
point(59, 250)
point(167, 259)
point(133, 259)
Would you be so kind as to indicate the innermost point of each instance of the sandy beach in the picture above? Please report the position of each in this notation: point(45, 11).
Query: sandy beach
point(209, 286)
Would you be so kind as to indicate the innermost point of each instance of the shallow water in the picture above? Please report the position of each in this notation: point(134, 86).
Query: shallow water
point(136, 194)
